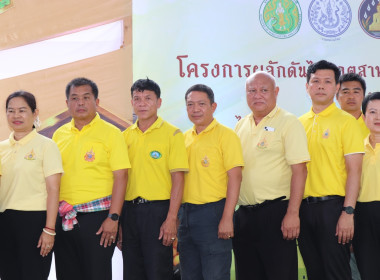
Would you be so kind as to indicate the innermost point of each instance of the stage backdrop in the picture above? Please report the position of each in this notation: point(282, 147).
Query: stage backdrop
point(179, 43)
point(37, 33)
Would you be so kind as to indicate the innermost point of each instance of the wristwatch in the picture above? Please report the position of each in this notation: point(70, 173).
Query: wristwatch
point(348, 209)
point(114, 216)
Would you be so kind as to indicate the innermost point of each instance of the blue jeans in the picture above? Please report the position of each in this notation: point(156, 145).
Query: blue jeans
point(202, 254)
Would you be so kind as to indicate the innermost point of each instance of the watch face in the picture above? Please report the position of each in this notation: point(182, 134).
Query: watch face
point(349, 210)
point(114, 217)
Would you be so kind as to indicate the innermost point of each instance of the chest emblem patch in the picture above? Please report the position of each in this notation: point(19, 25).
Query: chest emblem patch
point(30, 156)
point(205, 162)
point(262, 144)
point(155, 154)
point(326, 134)
point(89, 156)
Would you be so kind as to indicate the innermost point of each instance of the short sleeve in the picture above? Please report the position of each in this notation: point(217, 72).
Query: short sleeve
point(178, 156)
point(52, 161)
point(352, 138)
point(119, 158)
point(232, 150)
point(295, 143)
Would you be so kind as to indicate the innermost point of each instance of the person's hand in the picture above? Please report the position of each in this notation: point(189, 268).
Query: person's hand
point(345, 228)
point(168, 231)
point(290, 226)
point(46, 243)
point(108, 229)
point(225, 228)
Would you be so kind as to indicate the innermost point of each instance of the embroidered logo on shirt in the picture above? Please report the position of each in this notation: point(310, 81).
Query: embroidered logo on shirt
point(326, 134)
point(30, 156)
point(205, 162)
point(262, 144)
point(89, 156)
point(155, 154)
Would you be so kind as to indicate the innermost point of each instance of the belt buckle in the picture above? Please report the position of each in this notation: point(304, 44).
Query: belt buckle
point(140, 200)
point(136, 200)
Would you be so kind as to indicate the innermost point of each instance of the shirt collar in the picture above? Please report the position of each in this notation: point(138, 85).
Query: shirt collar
point(332, 107)
point(366, 142)
point(208, 128)
point(270, 115)
point(24, 140)
point(91, 123)
point(157, 124)
point(368, 145)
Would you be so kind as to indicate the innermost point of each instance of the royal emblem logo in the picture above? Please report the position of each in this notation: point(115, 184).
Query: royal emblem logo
point(155, 154)
point(30, 156)
point(369, 17)
point(205, 162)
point(262, 144)
point(89, 156)
point(330, 18)
point(280, 18)
point(5, 5)
point(326, 134)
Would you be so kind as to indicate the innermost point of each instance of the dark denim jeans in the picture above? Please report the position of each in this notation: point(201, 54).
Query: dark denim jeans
point(202, 254)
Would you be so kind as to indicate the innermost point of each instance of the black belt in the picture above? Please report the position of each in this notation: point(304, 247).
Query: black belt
point(266, 202)
point(311, 199)
point(140, 200)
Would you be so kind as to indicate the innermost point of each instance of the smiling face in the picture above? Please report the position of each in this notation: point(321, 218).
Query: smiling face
point(82, 104)
point(322, 87)
point(350, 96)
point(199, 109)
point(261, 94)
point(20, 116)
point(372, 116)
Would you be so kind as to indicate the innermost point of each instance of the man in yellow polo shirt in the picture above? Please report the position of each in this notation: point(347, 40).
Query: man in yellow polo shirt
point(336, 151)
point(155, 186)
point(366, 240)
point(95, 162)
point(275, 155)
point(211, 191)
point(350, 97)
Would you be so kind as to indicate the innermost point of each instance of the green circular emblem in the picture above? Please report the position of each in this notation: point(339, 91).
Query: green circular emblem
point(155, 154)
point(280, 18)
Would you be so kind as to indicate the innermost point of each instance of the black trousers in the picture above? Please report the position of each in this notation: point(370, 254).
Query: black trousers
point(144, 256)
point(323, 256)
point(367, 239)
point(20, 258)
point(261, 253)
point(78, 254)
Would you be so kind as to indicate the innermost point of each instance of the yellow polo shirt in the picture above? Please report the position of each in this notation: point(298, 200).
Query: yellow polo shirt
point(154, 154)
point(331, 135)
point(363, 127)
point(370, 181)
point(211, 153)
point(90, 156)
point(25, 165)
point(269, 150)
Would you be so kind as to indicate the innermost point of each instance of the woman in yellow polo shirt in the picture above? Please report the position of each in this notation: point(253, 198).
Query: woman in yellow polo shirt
point(31, 169)
point(366, 241)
